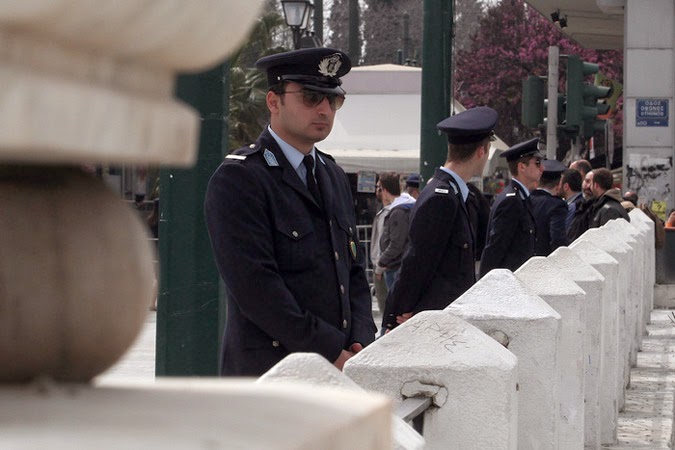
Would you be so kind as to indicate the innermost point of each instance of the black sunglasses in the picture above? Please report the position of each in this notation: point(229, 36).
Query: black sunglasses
point(313, 98)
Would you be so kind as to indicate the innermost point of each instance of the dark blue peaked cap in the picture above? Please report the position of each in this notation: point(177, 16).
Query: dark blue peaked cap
point(553, 169)
point(318, 69)
point(527, 148)
point(472, 125)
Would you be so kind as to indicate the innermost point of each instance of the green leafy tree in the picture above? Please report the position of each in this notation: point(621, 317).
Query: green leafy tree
point(248, 86)
point(510, 44)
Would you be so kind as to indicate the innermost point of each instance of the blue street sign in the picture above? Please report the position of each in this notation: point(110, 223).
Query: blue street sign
point(651, 112)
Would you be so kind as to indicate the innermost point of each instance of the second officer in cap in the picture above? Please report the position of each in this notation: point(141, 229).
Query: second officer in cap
point(550, 211)
point(438, 265)
point(511, 228)
point(281, 220)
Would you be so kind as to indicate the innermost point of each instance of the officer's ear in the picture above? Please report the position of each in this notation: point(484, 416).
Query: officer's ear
point(273, 100)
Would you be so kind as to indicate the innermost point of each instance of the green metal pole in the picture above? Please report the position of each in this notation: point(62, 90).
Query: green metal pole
point(189, 308)
point(354, 41)
point(318, 19)
point(436, 83)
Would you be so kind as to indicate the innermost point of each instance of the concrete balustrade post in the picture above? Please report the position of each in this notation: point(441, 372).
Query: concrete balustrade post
point(612, 367)
point(313, 369)
point(471, 378)
point(503, 308)
point(634, 312)
point(642, 222)
point(623, 253)
point(569, 300)
point(592, 282)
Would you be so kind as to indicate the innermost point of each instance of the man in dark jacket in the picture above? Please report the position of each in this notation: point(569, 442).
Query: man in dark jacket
point(607, 205)
point(550, 211)
point(281, 220)
point(394, 237)
point(438, 265)
point(511, 231)
point(570, 190)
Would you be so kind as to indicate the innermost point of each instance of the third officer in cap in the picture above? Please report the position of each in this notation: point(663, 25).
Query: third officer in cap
point(549, 209)
point(280, 215)
point(438, 265)
point(511, 229)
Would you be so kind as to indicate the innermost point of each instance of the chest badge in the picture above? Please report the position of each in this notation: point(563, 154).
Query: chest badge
point(270, 158)
point(352, 248)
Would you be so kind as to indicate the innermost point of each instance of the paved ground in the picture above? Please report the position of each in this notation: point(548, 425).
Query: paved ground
point(646, 423)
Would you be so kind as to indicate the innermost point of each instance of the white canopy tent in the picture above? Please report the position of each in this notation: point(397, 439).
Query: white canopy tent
point(378, 128)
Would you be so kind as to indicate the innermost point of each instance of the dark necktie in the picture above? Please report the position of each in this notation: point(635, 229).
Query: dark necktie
point(308, 161)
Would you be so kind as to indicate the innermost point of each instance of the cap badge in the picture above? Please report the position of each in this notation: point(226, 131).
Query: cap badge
point(330, 65)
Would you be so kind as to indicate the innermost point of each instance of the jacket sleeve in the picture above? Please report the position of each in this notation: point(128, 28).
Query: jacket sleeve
point(502, 228)
point(557, 226)
point(240, 228)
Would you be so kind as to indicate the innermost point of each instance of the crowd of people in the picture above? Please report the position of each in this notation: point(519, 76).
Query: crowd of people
point(280, 216)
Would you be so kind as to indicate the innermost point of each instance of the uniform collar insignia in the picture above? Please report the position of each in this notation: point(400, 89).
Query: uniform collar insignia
point(270, 158)
point(330, 65)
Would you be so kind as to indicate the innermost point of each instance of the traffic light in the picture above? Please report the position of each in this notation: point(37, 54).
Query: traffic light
point(581, 110)
point(532, 108)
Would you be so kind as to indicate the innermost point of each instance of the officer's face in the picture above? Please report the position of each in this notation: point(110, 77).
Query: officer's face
point(297, 123)
point(531, 170)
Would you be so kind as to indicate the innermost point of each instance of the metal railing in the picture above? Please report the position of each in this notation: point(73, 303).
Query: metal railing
point(412, 410)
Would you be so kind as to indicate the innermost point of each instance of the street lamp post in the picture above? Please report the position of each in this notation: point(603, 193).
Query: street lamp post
point(296, 14)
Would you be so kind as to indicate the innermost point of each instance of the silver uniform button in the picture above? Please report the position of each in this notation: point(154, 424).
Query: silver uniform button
point(295, 233)
point(275, 343)
point(342, 288)
point(344, 324)
point(466, 245)
point(337, 256)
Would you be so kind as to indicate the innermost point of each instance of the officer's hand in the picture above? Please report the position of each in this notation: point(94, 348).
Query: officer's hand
point(355, 348)
point(403, 317)
point(342, 359)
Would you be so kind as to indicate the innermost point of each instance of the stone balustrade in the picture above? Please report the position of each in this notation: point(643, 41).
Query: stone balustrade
point(569, 326)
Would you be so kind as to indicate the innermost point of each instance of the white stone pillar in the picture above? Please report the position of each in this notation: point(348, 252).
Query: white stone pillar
point(569, 300)
point(623, 253)
point(612, 367)
point(471, 377)
point(592, 282)
point(314, 369)
point(636, 239)
point(503, 308)
point(641, 221)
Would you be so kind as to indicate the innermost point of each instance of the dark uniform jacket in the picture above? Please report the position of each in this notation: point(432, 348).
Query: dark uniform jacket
point(549, 213)
point(438, 265)
point(606, 208)
point(294, 275)
point(511, 231)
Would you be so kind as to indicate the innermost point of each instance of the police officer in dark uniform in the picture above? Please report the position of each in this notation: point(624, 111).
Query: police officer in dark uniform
point(550, 211)
point(280, 216)
point(438, 265)
point(511, 230)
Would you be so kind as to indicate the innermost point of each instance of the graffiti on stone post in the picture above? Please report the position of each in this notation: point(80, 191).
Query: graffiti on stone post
point(650, 176)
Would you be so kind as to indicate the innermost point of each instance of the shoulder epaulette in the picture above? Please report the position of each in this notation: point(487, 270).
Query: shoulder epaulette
point(324, 154)
point(242, 153)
